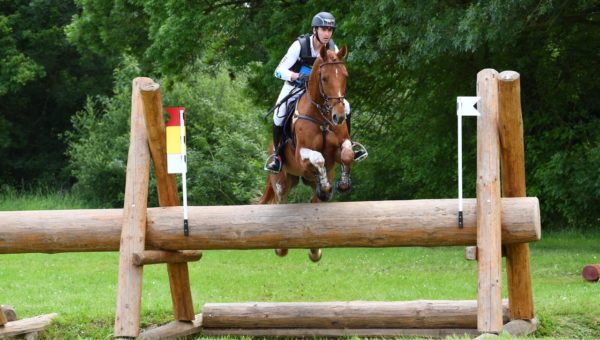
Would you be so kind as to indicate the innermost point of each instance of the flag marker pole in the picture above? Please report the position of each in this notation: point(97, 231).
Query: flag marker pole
point(464, 107)
point(186, 229)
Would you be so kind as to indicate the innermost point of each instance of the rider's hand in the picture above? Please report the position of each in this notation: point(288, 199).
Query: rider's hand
point(303, 78)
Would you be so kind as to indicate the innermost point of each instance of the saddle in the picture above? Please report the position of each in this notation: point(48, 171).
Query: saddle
point(288, 124)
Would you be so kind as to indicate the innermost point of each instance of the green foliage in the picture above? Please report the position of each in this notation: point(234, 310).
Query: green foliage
point(224, 138)
point(99, 141)
point(43, 81)
point(407, 63)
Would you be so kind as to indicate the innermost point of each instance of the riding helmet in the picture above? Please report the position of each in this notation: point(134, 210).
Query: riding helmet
point(323, 19)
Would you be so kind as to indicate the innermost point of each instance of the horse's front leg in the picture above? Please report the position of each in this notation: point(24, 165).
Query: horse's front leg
point(344, 185)
point(313, 162)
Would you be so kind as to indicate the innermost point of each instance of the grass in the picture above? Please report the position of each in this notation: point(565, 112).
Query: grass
point(81, 287)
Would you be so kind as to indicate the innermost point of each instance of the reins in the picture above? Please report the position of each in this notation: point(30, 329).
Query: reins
point(327, 108)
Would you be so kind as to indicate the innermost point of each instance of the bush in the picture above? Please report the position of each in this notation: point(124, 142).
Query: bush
point(225, 138)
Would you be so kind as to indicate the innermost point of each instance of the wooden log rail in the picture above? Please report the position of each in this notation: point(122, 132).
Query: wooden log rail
point(343, 224)
point(352, 315)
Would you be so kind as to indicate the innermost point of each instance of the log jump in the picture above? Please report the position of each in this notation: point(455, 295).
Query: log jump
point(387, 224)
point(501, 218)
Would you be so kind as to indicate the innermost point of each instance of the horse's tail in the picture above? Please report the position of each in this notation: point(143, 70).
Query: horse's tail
point(269, 194)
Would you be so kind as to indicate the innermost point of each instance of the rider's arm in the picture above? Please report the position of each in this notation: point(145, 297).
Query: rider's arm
point(283, 70)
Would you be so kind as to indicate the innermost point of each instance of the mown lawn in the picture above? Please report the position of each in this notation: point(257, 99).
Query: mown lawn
point(81, 287)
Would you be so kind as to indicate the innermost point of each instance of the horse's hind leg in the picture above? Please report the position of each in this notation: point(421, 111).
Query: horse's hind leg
point(283, 184)
point(314, 254)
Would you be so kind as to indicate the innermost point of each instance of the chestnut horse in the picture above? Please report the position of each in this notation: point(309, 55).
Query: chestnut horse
point(320, 138)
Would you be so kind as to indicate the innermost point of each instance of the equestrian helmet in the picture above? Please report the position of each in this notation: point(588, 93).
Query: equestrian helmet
point(323, 19)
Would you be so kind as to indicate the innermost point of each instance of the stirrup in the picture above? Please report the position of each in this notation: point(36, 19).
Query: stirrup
point(359, 150)
point(273, 160)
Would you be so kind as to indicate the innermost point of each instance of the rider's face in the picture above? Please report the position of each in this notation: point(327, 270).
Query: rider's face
point(325, 34)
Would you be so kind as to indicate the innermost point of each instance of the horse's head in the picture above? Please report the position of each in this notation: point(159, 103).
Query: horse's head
point(329, 78)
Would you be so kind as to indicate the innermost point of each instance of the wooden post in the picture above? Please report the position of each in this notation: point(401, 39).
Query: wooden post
point(133, 234)
point(518, 268)
point(166, 185)
point(489, 289)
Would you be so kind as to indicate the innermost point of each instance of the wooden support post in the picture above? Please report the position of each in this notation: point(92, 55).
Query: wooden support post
point(489, 289)
point(518, 268)
point(133, 234)
point(166, 184)
point(471, 253)
point(163, 256)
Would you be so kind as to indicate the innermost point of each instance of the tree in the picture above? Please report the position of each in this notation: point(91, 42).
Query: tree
point(43, 81)
point(407, 63)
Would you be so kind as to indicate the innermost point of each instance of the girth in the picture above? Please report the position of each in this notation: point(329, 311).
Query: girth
point(324, 125)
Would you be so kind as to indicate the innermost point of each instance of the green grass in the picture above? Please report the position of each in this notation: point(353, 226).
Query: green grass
point(42, 198)
point(81, 287)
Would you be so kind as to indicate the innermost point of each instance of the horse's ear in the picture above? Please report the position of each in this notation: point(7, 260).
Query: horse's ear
point(342, 52)
point(323, 52)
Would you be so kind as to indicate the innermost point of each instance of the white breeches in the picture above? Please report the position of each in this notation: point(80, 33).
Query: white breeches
point(279, 114)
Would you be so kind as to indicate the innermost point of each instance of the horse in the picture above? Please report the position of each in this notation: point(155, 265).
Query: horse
point(319, 139)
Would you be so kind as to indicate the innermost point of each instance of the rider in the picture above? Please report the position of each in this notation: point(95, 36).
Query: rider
point(294, 68)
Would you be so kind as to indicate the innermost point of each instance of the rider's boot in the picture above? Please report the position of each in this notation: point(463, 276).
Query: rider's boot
point(273, 163)
point(361, 153)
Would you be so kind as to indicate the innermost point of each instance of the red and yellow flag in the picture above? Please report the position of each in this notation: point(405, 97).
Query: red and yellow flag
point(176, 150)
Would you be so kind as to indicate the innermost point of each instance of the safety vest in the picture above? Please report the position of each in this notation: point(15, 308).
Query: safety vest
point(306, 58)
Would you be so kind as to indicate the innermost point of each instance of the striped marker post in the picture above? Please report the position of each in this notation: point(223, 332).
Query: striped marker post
point(176, 154)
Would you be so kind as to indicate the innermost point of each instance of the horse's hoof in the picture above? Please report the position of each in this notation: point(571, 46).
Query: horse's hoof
point(322, 195)
point(281, 252)
point(343, 189)
point(315, 255)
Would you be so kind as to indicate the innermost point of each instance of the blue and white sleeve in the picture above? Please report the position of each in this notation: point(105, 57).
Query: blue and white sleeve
point(289, 59)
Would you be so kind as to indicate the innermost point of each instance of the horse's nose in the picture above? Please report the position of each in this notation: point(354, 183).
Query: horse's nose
point(338, 118)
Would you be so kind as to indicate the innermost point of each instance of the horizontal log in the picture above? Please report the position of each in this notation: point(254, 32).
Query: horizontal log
point(24, 326)
point(344, 224)
point(435, 333)
point(353, 314)
point(161, 256)
point(177, 329)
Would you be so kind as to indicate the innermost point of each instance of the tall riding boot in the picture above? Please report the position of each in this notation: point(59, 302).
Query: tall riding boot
point(274, 163)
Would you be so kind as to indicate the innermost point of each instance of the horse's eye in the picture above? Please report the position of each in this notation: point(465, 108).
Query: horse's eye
point(325, 79)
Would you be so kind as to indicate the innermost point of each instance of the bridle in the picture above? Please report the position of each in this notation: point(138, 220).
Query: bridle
point(326, 109)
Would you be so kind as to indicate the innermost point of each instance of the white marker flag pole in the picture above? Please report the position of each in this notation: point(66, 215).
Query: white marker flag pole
point(464, 107)
point(176, 154)
point(186, 229)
